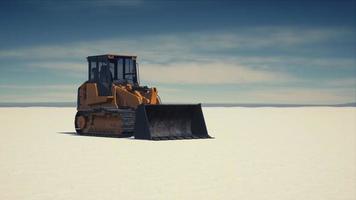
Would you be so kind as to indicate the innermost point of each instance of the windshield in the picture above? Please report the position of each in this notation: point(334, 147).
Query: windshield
point(122, 69)
point(126, 70)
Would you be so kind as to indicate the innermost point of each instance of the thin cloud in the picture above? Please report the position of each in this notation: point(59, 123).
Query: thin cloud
point(192, 48)
point(347, 82)
point(291, 95)
point(189, 45)
point(82, 4)
point(47, 96)
point(79, 67)
point(325, 62)
point(301, 95)
point(38, 87)
point(203, 58)
point(281, 94)
point(209, 73)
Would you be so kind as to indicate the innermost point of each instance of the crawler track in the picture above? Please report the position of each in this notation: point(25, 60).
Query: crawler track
point(123, 121)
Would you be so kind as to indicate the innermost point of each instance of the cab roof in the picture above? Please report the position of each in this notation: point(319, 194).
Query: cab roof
point(110, 56)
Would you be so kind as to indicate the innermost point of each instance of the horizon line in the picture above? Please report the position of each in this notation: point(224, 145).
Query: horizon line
point(74, 104)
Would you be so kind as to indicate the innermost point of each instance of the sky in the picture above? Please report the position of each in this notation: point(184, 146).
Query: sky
point(250, 51)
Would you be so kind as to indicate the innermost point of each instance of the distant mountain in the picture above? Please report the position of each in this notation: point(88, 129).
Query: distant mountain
point(346, 105)
point(39, 104)
point(253, 105)
point(276, 105)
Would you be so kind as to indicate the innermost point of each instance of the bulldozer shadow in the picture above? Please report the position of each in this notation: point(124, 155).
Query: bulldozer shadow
point(95, 135)
point(129, 137)
point(68, 133)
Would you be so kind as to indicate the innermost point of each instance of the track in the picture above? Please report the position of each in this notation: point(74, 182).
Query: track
point(126, 117)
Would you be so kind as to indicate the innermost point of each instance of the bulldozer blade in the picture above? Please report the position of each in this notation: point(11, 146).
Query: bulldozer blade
point(170, 122)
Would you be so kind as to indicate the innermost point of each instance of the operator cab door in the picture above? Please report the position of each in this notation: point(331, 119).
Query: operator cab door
point(101, 72)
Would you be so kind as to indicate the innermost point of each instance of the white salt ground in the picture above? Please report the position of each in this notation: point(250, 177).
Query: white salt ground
point(257, 153)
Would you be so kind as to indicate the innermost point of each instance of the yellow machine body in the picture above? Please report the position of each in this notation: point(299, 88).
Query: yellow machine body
point(122, 96)
point(112, 103)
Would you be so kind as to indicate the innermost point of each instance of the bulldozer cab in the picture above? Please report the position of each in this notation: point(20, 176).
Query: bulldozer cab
point(104, 70)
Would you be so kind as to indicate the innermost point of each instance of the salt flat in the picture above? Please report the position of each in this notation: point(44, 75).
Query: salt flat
point(257, 153)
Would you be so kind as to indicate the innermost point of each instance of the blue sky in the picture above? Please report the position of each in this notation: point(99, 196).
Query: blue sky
point(192, 51)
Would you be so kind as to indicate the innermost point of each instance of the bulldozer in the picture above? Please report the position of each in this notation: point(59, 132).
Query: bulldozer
point(113, 103)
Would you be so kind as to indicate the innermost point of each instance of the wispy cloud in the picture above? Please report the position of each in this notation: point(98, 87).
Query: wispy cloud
point(47, 96)
point(38, 87)
point(291, 95)
point(209, 73)
point(300, 95)
point(83, 4)
point(77, 67)
point(190, 45)
point(187, 94)
point(38, 93)
point(199, 51)
point(213, 58)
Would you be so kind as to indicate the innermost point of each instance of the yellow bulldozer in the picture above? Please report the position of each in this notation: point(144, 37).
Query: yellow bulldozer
point(113, 103)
